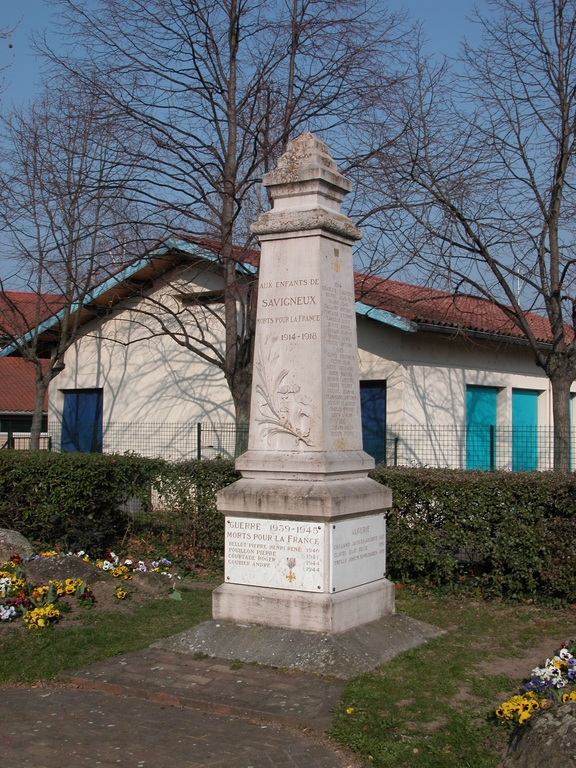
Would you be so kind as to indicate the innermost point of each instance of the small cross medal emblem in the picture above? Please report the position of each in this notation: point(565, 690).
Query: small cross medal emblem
point(291, 562)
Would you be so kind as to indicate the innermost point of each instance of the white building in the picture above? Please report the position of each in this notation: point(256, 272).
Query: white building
point(445, 380)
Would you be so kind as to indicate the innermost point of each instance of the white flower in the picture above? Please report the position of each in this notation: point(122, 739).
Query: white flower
point(127, 562)
point(7, 613)
point(565, 655)
point(106, 565)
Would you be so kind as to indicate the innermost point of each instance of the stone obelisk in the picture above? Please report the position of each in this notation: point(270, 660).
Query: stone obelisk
point(305, 526)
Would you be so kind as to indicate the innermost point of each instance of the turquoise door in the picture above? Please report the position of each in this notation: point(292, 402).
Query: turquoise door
point(481, 427)
point(524, 430)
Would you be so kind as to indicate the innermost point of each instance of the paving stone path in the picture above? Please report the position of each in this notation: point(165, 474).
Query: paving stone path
point(164, 710)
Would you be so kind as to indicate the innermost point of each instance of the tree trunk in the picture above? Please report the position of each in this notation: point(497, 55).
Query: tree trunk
point(36, 427)
point(241, 394)
point(561, 412)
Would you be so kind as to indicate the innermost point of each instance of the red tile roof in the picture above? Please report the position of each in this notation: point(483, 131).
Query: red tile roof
point(17, 388)
point(19, 311)
point(433, 307)
point(416, 303)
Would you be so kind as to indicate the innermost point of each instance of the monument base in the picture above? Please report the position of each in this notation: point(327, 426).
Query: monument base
point(344, 655)
point(305, 611)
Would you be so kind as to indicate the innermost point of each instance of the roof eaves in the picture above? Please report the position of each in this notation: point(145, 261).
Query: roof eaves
point(385, 317)
point(170, 244)
point(487, 335)
point(175, 243)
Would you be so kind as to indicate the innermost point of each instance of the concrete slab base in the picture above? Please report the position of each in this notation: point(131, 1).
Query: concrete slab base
point(344, 655)
point(306, 611)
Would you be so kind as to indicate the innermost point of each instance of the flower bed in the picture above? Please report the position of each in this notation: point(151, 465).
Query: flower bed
point(544, 687)
point(38, 604)
point(36, 600)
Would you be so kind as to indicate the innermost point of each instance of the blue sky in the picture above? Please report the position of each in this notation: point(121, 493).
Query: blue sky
point(445, 23)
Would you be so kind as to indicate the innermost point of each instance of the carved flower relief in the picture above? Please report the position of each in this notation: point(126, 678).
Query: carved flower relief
point(283, 409)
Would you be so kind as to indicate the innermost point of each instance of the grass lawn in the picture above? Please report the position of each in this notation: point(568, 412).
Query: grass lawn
point(27, 656)
point(429, 707)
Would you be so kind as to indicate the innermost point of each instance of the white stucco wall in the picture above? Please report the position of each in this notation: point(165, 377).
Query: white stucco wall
point(426, 376)
point(154, 390)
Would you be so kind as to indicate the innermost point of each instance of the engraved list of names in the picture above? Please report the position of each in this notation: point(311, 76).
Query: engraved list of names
point(341, 369)
point(284, 554)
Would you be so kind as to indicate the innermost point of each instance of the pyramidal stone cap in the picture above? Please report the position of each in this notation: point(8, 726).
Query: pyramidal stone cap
point(306, 158)
point(307, 190)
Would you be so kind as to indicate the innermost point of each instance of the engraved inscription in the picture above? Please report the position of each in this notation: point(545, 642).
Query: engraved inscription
point(274, 302)
point(289, 301)
point(358, 550)
point(275, 553)
point(340, 390)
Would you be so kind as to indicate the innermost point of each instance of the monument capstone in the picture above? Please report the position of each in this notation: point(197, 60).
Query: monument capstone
point(305, 527)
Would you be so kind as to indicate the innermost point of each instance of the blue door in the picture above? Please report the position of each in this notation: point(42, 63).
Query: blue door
point(373, 404)
point(481, 427)
point(82, 421)
point(524, 430)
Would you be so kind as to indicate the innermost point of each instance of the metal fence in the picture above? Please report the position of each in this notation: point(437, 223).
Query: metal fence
point(514, 449)
point(20, 441)
point(457, 447)
point(174, 442)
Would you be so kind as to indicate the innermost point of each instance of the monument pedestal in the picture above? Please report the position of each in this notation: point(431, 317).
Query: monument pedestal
point(309, 612)
point(306, 553)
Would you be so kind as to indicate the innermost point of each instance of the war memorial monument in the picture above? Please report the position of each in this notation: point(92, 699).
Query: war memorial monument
point(305, 527)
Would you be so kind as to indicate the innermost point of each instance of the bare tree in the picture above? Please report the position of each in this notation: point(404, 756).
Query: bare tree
point(479, 192)
point(63, 215)
point(216, 90)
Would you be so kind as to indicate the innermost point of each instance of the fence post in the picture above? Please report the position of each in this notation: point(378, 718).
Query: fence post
point(10, 443)
point(396, 438)
point(199, 441)
point(492, 448)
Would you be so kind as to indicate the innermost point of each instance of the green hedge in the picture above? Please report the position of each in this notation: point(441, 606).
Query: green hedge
point(501, 534)
point(189, 489)
point(72, 499)
point(497, 534)
point(75, 499)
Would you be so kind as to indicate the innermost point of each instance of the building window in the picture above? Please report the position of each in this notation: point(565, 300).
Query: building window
point(20, 422)
point(82, 421)
point(201, 298)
